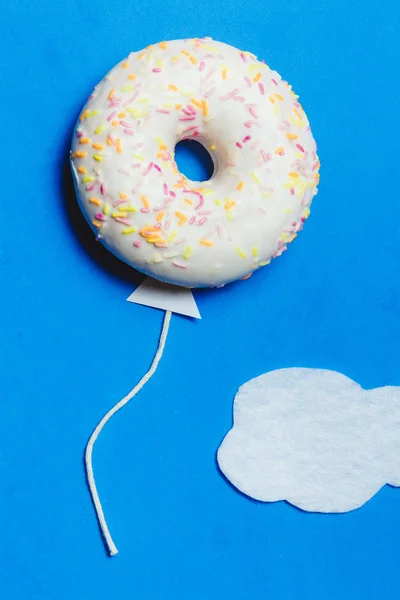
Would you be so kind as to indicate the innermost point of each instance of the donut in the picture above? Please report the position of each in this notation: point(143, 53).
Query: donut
point(190, 233)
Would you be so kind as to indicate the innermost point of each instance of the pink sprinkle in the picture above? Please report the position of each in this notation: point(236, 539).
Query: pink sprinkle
point(315, 165)
point(118, 202)
point(261, 88)
point(192, 220)
point(186, 110)
point(145, 210)
point(123, 220)
point(137, 146)
point(220, 232)
point(135, 95)
point(136, 165)
point(165, 111)
point(274, 81)
point(247, 80)
point(79, 134)
point(137, 244)
point(165, 189)
point(114, 103)
point(172, 193)
point(292, 191)
point(202, 221)
point(251, 123)
point(246, 139)
point(294, 223)
point(123, 171)
point(230, 95)
point(112, 115)
point(157, 168)
point(179, 242)
point(167, 225)
point(147, 169)
point(243, 57)
point(266, 157)
point(200, 204)
point(91, 187)
point(300, 147)
point(128, 131)
point(239, 98)
point(156, 70)
point(192, 118)
point(101, 217)
point(209, 74)
point(209, 92)
point(190, 128)
point(254, 146)
point(261, 210)
point(137, 188)
point(126, 124)
point(253, 112)
point(238, 144)
point(103, 189)
point(230, 164)
point(111, 139)
point(179, 265)
point(192, 192)
point(202, 65)
point(205, 212)
point(158, 226)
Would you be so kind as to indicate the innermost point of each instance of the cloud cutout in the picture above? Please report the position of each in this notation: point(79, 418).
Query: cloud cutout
point(314, 438)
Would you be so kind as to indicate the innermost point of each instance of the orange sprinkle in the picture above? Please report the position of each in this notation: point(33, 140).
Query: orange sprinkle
point(173, 87)
point(82, 170)
point(141, 56)
point(111, 94)
point(196, 102)
point(118, 145)
point(247, 277)
point(188, 201)
point(96, 223)
point(280, 98)
point(185, 52)
point(230, 204)
point(240, 186)
point(291, 136)
point(181, 217)
point(125, 65)
point(160, 155)
point(122, 195)
point(145, 202)
point(79, 154)
point(155, 239)
point(132, 77)
point(163, 45)
point(293, 174)
point(109, 142)
point(193, 60)
point(121, 115)
point(97, 146)
point(83, 115)
point(224, 73)
point(272, 99)
point(297, 113)
point(257, 77)
point(204, 107)
point(178, 106)
point(160, 216)
point(280, 150)
point(84, 141)
point(114, 123)
point(95, 201)
point(206, 242)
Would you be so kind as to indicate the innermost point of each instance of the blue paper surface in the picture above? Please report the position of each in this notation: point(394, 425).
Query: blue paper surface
point(71, 346)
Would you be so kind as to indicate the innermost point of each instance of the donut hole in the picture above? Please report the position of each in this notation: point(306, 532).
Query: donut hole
point(193, 160)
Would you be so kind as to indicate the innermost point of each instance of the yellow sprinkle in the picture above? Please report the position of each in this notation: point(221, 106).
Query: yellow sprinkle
point(172, 236)
point(254, 251)
point(128, 88)
point(125, 65)
point(144, 100)
point(229, 215)
point(106, 209)
point(205, 242)
point(254, 177)
point(129, 230)
point(95, 201)
point(145, 202)
point(154, 239)
point(84, 141)
point(138, 156)
point(119, 214)
point(264, 263)
point(160, 216)
point(82, 170)
point(132, 76)
point(291, 136)
point(224, 73)
point(188, 252)
point(257, 77)
point(87, 179)
point(96, 223)
point(241, 253)
point(92, 113)
point(307, 213)
point(205, 107)
point(218, 202)
point(97, 146)
point(118, 145)
point(99, 129)
point(173, 87)
point(240, 186)
point(129, 209)
point(196, 102)
point(79, 154)
point(287, 211)
point(97, 157)
point(212, 147)
point(292, 237)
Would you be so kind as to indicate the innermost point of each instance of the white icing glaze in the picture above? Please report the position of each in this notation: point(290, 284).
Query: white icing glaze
point(189, 233)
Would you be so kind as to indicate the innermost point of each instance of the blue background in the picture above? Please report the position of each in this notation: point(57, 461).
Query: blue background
point(71, 346)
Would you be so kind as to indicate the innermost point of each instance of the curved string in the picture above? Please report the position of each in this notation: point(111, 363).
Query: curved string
point(112, 549)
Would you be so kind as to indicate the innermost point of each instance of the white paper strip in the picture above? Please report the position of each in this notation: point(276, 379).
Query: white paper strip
point(165, 296)
point(314, 438)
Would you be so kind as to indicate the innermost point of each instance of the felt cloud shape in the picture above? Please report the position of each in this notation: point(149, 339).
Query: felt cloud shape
point(314, 438)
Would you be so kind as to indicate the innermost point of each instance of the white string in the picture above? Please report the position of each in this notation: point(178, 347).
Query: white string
point(89, 448)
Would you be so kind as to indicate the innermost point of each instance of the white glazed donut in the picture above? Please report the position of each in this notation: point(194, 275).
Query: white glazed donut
point(194, 234)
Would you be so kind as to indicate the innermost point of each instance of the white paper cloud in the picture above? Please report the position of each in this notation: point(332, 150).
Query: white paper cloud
point(314, 438)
